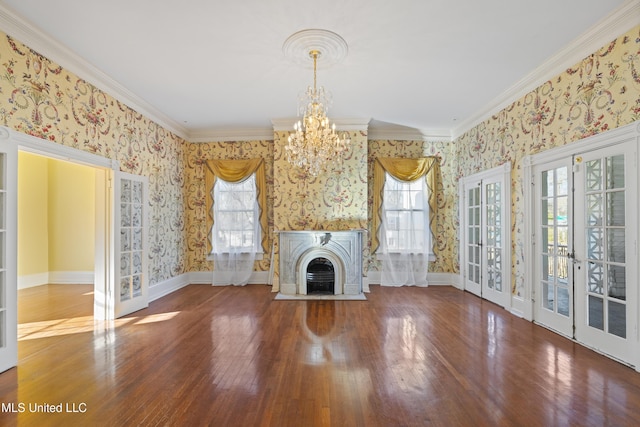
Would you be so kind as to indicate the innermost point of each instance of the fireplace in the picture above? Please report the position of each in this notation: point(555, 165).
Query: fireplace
point(321, 277)
point(321, 262)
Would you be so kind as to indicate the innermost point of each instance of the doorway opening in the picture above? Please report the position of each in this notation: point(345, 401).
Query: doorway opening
point(67, 163)
point(57, 242)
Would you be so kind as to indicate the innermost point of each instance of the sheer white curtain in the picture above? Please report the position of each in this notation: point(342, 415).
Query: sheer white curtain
point(405, 237)
point(235, 238)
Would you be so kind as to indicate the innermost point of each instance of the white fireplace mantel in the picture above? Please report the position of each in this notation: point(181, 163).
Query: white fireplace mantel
point(342, 248)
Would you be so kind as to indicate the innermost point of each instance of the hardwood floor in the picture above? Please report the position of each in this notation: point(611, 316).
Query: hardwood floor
point(231, 356)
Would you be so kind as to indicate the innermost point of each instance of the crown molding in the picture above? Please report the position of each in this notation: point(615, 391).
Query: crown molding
point(346, 124)
point(230, 134)
point(618, 22)
point(256, 134)
point(374, 132)
point(612, 26)
point(400, 133)
point(29, 35)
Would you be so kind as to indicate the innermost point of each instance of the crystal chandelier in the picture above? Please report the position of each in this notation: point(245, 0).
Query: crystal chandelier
point(315, 144)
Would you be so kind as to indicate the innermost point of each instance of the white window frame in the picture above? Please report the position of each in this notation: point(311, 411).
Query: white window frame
point(257, 230)
point(411, 187)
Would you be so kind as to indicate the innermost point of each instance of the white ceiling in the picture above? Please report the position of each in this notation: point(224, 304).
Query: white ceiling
point(210, 69)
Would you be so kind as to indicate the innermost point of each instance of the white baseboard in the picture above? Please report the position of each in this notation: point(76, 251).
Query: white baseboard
point(32, 280)
point(162, 289)
point(518, 307)
point(365, 284)
point(56, 278)
point(444, 279)
point(200, 277)
point(71, 277)
point(373, 278)
point(206, 277)
point(434, 279)
point(168, 286)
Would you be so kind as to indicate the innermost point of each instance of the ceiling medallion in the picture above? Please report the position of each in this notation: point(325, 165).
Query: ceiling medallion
point(314, 144)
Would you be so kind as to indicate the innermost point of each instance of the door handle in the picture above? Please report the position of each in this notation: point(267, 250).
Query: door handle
point(572, 256)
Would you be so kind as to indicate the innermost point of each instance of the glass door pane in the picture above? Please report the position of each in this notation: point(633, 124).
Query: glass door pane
point(606, 281)
point(493, 240)
point(554, 286)
point(132, 288)
point(554, 230)
point(473, 239)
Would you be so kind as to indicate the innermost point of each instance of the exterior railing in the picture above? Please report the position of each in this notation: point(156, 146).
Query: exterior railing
point(562, 257)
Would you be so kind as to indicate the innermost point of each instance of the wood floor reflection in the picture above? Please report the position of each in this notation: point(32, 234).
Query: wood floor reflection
point(231, 356)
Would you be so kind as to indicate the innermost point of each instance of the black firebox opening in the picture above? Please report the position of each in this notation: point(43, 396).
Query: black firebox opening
point(321, 277)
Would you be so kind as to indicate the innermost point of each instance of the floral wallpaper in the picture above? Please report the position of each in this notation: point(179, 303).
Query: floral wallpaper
point(446, 237)
point(599, 93)
point(196, 216)
point(336, 200)
point(339, 200)
point(40, 98)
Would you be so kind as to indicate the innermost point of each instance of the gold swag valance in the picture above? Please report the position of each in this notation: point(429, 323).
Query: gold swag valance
point(237, 171)
point(403, 170)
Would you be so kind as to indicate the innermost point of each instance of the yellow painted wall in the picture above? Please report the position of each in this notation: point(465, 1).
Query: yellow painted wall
point(71, 217)
point(56, 216)
point(33, 237)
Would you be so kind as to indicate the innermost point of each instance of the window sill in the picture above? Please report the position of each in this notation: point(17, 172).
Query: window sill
point(397, 255)
point(259, 255)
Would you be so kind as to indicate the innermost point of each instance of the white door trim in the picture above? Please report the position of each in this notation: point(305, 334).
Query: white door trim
point(105, 168)
point(8, 254)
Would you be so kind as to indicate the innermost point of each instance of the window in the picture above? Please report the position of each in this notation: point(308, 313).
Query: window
point(236, 217)
point(236, 206)
point(405, 217)
point(404, 206)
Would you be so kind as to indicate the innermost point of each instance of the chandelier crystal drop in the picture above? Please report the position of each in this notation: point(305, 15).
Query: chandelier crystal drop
point(314, 143)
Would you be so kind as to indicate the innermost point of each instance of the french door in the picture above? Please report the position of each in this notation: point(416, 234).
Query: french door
point(132, 289)
point(554, 296)
point(8, 259)
point(606, 276)
point(585, 242)
point(473, 240)
point(486, 241)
